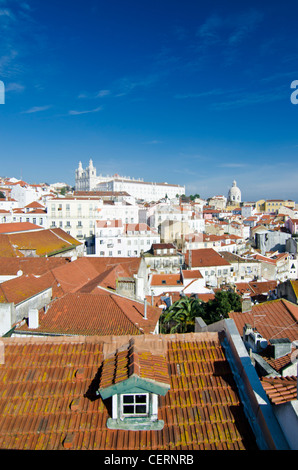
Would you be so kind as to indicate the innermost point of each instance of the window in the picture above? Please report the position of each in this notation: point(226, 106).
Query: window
point(135, 405)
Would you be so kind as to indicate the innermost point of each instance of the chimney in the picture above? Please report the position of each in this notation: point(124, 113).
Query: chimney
point(145, 309)
point(246, 303)
point(33, 318)
point(281, 347)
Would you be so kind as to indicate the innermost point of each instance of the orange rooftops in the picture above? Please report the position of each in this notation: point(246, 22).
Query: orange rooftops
point(48, 398)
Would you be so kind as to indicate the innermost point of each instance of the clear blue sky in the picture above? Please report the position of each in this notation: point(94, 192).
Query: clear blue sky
point(189, 92)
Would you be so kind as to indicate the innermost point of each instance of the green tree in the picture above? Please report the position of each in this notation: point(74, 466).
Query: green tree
point(180, 316)
point(223, 303)
point(194, 196)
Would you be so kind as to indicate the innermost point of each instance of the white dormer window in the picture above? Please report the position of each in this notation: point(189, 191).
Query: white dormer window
point(135, 398)
point(134, 405)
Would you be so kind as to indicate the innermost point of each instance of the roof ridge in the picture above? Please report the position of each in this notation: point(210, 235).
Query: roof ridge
point(123, 311)
point(133, 360)
point(286, 303)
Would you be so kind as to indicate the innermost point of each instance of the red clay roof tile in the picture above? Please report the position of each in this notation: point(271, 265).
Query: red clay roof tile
point(43, 405)
point(272, 319)
point(280, 389)
point(205, 257)
point(91, 314)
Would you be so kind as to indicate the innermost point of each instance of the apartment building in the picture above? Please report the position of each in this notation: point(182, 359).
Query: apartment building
point(113, 238)
point(225, 242)
point(215, 269)
point(25, 193)
point(77, 214)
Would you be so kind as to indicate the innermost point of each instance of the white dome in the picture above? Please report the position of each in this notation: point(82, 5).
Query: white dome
point(234, 196)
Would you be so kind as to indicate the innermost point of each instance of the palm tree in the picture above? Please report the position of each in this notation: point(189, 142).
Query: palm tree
point(180, 316)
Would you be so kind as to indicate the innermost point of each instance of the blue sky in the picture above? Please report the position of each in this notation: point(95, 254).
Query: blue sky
point(189, 92)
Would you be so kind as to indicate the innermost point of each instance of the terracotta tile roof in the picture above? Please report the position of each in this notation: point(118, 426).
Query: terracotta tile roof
point(129, 361)
point(131, 265)
point(12, 227)
point(206, 257)
point(37, 266)
point(280, 389)
point(135, 312)
point(166, 279)
point(63, 276)
point(92, 314)
point(273, 319)
point(35, 205)
point(48, 396)
point(107, 279)
point(192, 274)
point(206, 297)
point(6, 248)
point(74, 275)
point(44, 241)
point(255, 287)
point(280, 363)
point(21, 288)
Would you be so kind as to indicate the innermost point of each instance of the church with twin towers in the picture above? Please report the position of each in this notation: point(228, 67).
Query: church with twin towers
point(88, 180)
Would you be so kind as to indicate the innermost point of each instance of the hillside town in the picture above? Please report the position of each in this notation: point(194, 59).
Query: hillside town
point(87, 275)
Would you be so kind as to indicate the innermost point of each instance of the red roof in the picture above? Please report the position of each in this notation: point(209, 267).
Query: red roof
point(91, 314)
point(42, 241)
point(166, 280)
point(35, 205)
point(272, 319)
point(23, 287)
point(192, 274)
point(48, 397)
point(280, 389)
point(18, 227)
point(205, 257)
point(255, 287)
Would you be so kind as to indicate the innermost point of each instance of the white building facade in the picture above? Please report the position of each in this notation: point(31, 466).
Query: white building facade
point(87, 180)
point(77, 215)
point(115, 239)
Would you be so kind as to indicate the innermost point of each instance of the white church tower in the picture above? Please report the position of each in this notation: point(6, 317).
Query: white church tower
point(86, 180)
point(234, 196)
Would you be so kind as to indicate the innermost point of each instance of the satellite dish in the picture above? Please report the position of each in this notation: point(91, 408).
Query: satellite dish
point(20, 273)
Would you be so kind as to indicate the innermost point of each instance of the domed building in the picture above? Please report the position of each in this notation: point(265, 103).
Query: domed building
point(234, 196)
